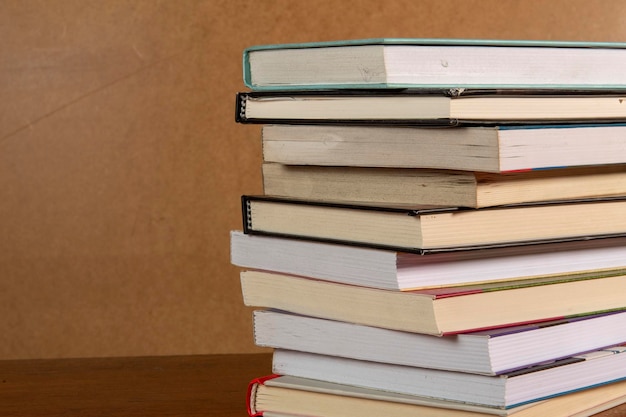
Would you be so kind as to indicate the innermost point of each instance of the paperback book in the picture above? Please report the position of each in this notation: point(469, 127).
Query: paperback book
point(488, 352)
point(496, 149)
point(438, 312)
point(393, 270)
point(406, 187)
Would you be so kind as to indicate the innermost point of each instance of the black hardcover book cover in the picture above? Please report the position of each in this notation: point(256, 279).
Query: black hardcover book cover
point(249, 229)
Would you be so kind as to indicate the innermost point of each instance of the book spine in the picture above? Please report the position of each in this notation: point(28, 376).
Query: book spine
point(246, 215)
point(242, 98)
point(251, 394)
point(247, 74)
point(240, 108)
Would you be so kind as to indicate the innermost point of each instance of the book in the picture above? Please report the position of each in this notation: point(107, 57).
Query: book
point(442, 311)
point(441, 228)
point(510, 390)
point(497, 149)
point(488, 352)
point(406, 187)
point(448, 108)
point(419, 63)
point(277, 395)
point(392, 270)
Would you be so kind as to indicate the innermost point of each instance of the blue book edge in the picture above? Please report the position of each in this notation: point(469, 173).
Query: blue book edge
point(560, 394)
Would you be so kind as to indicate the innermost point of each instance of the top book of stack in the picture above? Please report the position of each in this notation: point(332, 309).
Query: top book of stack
point(436, 63)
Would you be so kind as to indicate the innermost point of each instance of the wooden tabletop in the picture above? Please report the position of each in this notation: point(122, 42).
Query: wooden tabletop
point(211, 385)
point(207, 385)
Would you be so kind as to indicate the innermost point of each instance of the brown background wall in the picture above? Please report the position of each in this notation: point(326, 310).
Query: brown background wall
point(121, 166)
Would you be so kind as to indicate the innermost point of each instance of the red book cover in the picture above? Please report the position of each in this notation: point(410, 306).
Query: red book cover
point(252, 393)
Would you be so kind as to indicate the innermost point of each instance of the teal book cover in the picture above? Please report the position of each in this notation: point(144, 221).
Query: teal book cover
point(483, 63)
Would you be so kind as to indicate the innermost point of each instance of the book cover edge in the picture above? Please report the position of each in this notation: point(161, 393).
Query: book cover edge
point(439, 41)
point(251, 394)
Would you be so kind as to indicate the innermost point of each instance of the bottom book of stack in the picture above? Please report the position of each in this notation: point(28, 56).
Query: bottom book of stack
point(283, 396)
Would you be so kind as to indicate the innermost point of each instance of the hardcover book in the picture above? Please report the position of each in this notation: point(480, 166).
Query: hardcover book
point(428, 63)
point(287, 396)
point(450, 108)
point(433, 227)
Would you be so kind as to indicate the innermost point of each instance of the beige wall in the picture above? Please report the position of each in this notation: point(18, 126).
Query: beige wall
point(121, 166)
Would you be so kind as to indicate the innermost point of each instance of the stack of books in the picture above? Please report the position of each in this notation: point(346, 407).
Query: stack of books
point(442, 230)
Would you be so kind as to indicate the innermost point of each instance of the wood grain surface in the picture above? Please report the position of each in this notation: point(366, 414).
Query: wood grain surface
point(202, 385)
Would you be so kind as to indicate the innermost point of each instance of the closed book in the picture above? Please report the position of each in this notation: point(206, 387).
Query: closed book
point(442, 228)
point(488, 352)
point(427, 63)
point(392, 270)
point(496, 149)
point(412, 187)
point(509, 390)
point(438, 109)
point(440, 311)
point(287, 396)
